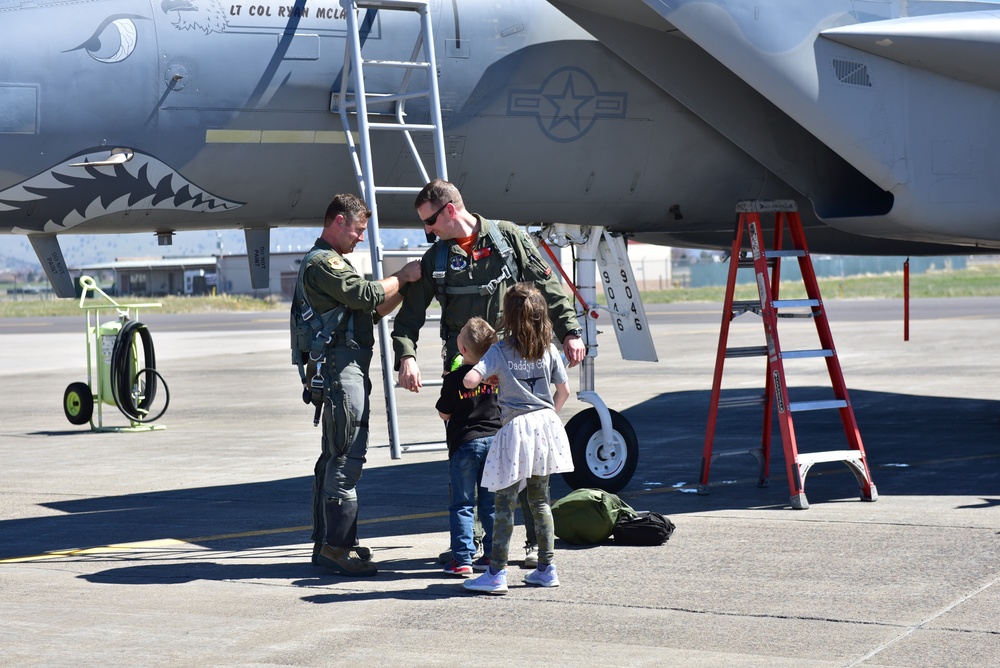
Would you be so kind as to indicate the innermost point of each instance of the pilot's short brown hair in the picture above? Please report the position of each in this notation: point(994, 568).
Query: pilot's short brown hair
point(438, 192)
point(349, 206)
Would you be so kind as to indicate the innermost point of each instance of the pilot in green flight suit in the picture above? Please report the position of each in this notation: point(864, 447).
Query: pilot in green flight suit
point(474, 280)
point(470, 269)
point(328, 282)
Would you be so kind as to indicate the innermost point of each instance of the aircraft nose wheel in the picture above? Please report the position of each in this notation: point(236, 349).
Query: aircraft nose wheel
point(599, 464)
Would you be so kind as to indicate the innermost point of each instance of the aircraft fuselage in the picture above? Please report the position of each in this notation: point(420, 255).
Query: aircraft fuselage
point(206, 115)
point(226, 109)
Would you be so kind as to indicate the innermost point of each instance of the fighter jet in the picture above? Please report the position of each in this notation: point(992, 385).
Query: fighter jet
point(878, 119)
point(652, 118)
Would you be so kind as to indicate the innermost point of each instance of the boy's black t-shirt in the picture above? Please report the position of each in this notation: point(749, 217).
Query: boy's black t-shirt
point(474, 413)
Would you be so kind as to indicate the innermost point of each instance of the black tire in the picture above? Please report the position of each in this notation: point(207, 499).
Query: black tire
point(595, 463)
point(78, 403)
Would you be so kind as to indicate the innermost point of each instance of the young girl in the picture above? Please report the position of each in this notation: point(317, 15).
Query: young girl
point(531, 445)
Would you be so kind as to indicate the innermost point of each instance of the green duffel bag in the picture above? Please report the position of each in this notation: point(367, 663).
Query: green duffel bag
point(587, 516)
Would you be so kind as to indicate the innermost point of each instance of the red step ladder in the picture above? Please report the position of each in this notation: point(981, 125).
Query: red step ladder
point(776, 391)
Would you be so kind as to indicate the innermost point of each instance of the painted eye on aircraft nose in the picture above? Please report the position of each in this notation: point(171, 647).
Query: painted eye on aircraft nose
point(112, 42)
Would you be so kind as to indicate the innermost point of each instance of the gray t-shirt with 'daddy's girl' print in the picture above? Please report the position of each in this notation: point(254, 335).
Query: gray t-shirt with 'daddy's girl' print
point(525, 385)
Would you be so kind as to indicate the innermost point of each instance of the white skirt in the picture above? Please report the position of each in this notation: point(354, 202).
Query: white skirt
point(532, 444)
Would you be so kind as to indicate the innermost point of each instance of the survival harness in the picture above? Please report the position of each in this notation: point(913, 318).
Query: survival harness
point(313, 336)
point(442, 250)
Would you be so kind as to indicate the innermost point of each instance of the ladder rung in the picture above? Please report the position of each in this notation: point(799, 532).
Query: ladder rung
point(745, 400)
point(414, 252)
point(799, 354)
point(402, 126)
point(746, 351)
point(747, 263)
point(425, 383)
point(408, 64)
point(745, 306)
point(795, 406)
point(425, 447)
point(431, 317)
point(397, 190)
point(377, 99)
point(830, 456)
point(391, 4)
point(786, 252)
point(794, 303)
point(755, 452)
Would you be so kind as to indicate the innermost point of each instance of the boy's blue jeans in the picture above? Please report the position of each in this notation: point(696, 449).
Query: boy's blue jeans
point(465, 469)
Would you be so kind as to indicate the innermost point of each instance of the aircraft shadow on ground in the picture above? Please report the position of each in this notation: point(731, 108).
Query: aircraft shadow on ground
point(915, 445)
point(925, 446)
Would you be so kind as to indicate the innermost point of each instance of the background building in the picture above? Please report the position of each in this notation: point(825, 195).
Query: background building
point(654, 267)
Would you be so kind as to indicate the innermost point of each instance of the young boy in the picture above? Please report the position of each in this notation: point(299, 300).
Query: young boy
point(473, 417)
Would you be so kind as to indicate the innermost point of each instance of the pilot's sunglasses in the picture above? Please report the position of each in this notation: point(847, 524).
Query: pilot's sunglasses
point(429, 222)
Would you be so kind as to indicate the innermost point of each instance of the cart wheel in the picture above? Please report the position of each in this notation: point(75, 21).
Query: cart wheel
point(78, 403)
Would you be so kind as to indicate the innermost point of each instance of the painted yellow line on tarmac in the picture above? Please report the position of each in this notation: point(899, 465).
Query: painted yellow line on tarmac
point(183, 542)
point(306, 527)
point(102, 549)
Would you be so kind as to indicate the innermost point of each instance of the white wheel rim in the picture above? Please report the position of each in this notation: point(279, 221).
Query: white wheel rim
point(606, 460)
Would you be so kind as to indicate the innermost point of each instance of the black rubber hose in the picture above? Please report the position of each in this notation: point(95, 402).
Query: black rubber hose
point(152, 374)
point(123, 381)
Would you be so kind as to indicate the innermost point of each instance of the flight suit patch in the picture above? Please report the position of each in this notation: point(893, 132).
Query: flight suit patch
point(337, 262)
point(480, 253)
point(458, 263)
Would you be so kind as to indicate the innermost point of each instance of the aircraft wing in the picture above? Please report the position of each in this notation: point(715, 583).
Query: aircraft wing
point(730, 105)
point(883, 118)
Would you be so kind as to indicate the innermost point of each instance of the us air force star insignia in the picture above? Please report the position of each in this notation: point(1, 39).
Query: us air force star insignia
point(567, 105)
point(458, 263)
point(337, 262)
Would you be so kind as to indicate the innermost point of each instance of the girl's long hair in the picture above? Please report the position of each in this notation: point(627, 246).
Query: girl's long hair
point(525, 321)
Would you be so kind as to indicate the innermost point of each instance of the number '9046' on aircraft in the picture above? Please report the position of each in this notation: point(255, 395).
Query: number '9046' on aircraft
point(653, 117)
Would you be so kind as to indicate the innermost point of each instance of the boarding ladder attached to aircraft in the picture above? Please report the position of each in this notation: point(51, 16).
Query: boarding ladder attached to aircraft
point(358, 103)
point(776, 392)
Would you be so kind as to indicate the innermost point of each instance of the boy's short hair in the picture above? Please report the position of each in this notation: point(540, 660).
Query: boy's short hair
point(479, 336)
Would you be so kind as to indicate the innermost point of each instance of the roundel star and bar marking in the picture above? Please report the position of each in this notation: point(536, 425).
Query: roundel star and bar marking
point(567, 104)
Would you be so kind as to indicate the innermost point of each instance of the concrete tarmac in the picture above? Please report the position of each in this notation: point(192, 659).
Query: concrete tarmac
point(189, 546)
